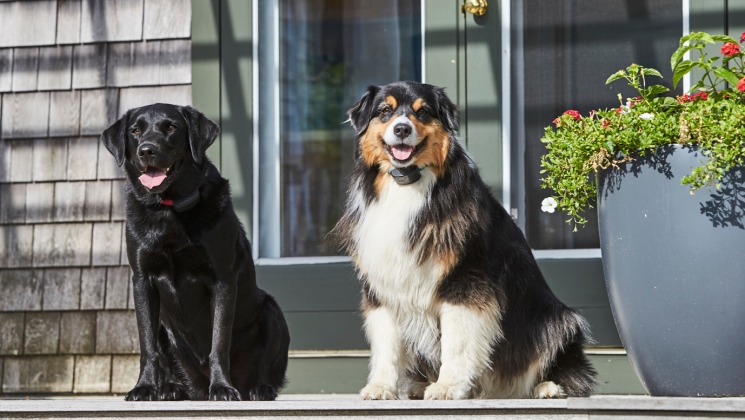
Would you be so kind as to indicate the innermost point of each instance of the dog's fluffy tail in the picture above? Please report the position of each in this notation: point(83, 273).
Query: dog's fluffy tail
point(571, 369)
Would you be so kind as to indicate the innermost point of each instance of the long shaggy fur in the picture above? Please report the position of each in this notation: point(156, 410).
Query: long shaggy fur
point(454, 303)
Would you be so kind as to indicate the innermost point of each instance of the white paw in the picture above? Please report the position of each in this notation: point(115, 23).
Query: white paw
point(438, 391)
point(379, 392)
point(548, 389)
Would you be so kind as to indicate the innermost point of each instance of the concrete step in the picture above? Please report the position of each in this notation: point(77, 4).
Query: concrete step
point(351, 407)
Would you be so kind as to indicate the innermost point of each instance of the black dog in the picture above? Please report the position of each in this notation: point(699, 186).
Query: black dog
point(453, 299)
point(206, 330)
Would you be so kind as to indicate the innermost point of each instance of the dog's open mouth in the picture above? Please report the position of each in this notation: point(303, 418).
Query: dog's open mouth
point(403, 152)
point(153, 177)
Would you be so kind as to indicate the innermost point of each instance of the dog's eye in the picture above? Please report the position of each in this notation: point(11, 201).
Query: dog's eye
point(136, 131)
point(385, 111)
point(422, 114)
point(171, 128)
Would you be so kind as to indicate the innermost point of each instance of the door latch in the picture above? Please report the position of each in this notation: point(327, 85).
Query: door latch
point(474, 7)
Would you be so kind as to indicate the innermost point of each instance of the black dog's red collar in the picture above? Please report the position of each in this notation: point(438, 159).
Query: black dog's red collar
point(184, 203)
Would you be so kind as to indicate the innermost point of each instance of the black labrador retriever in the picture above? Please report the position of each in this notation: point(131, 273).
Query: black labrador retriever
point(206, 330)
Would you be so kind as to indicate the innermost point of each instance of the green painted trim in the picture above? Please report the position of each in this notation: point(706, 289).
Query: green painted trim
point(483, 94)
point(205, 65)
point(708, 16)
point(321, 301)
point(236, 53)
point(441, 46)
point(222, 88)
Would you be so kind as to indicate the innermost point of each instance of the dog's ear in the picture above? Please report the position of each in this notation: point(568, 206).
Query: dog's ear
point(202, 132)
point(115, 138)
point(361, 112)
point(448, 112)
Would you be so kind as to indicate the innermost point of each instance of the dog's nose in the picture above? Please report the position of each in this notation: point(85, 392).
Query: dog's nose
point(146, 150)
point(402, 130)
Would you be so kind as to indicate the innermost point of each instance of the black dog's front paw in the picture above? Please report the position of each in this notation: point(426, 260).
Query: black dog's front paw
point(224, 393)
point(142, 393)
point(262, 393)
point(172, 392)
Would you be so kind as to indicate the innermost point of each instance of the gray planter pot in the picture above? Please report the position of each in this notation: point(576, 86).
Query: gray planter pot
point(674, 268)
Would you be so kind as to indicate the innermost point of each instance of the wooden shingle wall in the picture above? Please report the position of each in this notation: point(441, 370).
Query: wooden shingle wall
point(68, 69)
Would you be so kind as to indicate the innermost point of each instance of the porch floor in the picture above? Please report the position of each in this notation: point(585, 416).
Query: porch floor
point(345, 406)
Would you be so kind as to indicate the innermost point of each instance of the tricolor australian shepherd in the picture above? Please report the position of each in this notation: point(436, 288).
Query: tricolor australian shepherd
point(453, 302)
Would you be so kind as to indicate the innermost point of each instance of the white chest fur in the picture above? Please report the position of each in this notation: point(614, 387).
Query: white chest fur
point(388, 262)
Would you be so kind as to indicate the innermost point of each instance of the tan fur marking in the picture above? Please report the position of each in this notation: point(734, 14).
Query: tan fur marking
point(448, 259)
point(391, 101)
point(371, 143)
point(435, 151)
point(417, 105)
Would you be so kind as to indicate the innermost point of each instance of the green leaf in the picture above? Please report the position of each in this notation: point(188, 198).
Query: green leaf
point(651, 72)
point(727, 75)
point(724, 38)
point(620, 74)
point(678, 55)
point(703, 36)
point(686, 38)
point(683, 68)
point(657, 90)
point(669, 102)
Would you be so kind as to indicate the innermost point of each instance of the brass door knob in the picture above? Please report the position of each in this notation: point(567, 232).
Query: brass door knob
point(474, 7)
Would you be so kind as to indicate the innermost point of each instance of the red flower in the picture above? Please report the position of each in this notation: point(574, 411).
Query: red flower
point(557, 121)
point(690, 98)
point(685, 98)
point(606, 123)
point(573, 113)
point(741, 85)
point(729, 49)
point(742, 37)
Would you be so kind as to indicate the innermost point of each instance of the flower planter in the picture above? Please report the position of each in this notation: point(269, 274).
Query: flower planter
point(674, 268)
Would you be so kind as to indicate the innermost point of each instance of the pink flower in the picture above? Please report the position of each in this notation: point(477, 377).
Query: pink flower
point(701, 95)
point(729, 49)
point(741, 85)
point(606, 123)
point(742, 37)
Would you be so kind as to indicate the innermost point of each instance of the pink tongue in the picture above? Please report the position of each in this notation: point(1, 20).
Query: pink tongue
point(152, 178)
point(402, 152)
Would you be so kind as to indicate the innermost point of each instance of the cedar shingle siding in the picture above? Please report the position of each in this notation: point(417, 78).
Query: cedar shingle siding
point(68, 69)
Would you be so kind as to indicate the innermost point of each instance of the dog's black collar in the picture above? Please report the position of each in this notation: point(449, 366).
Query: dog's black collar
point(188, 202)
point(407, 175)
point(184, 203)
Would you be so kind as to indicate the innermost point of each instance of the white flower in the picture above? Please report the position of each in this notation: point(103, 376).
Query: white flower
point(625, 109)
point(549, 204)
point(646, 116)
